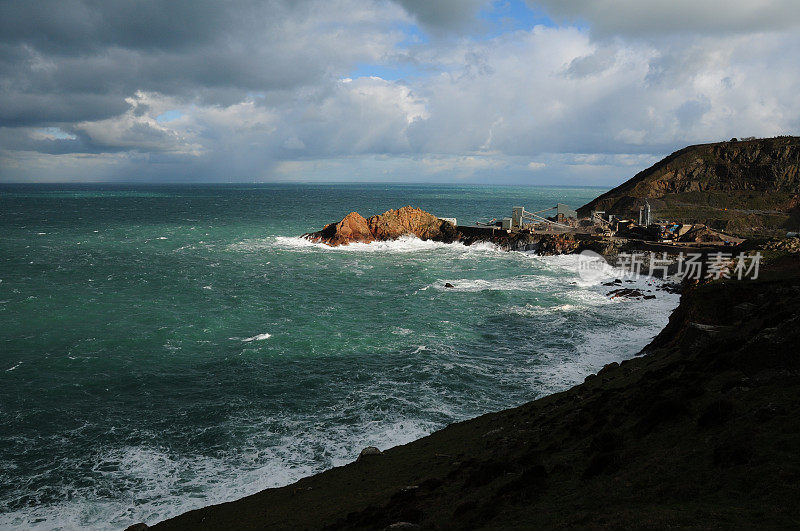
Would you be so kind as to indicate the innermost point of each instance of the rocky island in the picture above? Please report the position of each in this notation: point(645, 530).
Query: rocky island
point(392, 224)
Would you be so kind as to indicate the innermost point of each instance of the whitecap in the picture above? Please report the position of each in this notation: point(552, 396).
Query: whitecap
point(170, 483)
point(404, 244)
point(519, 283)
point(259, 337)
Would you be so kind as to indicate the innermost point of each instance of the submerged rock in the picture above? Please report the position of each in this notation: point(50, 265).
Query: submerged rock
point(628, 293)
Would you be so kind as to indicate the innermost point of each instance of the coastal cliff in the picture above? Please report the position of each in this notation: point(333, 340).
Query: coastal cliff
point(699, 430)
point(743, 187)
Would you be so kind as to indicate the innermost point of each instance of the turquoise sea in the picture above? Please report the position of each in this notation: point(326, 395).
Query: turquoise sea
point(167, 347)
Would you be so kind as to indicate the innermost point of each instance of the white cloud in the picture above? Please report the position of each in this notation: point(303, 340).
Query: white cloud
point(138, 129)
point(553, 104)
point(638, 99)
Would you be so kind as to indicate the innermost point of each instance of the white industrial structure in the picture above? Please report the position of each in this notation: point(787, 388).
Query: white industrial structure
point(644, 214)
point(519, 216)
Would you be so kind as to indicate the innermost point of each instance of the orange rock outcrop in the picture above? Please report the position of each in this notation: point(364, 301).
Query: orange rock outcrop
point(390, 225)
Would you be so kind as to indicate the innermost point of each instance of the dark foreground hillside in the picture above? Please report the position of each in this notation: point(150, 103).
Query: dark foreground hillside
point(743, 187)
point(702, 430)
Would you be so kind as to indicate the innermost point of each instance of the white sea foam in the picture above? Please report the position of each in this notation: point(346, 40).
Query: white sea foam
point(259, 337)
point(520, 283)
point(158, 483)
point(162, 479)
point(632, 323)
point(404, 244)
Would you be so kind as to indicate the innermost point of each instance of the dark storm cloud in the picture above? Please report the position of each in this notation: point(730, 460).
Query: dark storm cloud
point(69, 27)
point(75, 60)
point(443, 14)
point(11, 139)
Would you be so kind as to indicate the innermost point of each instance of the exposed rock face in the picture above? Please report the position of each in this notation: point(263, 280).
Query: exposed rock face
point(552, 244)
point(408, 220)
point(740, 187)
point(390, 225)
point(353, 228)
point(789, 245)
point(701, 233)
point(368, 451)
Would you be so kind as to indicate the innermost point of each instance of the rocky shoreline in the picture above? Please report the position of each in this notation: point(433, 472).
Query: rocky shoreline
point(410, 221)
point(698, 430)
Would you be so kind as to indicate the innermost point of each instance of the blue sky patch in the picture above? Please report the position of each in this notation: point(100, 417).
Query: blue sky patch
point(168, 116)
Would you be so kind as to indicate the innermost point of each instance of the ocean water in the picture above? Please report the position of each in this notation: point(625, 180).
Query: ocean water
point(167, 347)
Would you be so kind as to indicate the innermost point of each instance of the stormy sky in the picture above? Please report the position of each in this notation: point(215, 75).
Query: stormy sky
point(541, 92)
